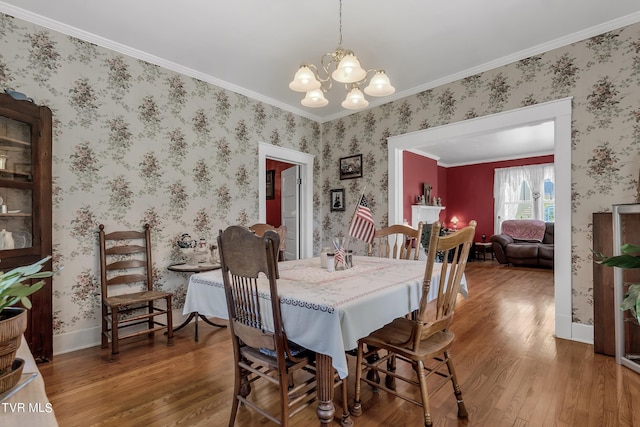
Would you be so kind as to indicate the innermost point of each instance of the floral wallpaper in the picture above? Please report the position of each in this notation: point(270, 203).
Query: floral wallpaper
point(602, 74)
point(136, 143)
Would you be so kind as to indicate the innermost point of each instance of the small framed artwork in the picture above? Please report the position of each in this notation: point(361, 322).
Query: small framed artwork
point(337, 200)
point(271, 178)
point(351, 167)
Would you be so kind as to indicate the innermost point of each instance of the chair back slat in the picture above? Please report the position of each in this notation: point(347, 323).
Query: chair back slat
point(454, 250)
point(125, 279)
point(124, 249)
point(406, 242)
point(126, 264)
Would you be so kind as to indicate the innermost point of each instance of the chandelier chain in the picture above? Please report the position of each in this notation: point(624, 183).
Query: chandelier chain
point(340, 44)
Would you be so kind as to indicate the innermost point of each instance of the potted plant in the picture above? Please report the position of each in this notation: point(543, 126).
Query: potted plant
point(15, 287)
point(629, 258)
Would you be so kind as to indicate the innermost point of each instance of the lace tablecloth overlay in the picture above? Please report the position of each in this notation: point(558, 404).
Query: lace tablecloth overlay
point(328, 312)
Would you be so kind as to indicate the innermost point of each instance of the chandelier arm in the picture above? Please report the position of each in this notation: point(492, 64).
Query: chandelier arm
point(357, 84)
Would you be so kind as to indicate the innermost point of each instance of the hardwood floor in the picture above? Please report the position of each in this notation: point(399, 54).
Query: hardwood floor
point(512, 370)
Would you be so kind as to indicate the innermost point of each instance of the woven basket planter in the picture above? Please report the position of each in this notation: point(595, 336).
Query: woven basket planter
point(12, 327)
point(12, 376)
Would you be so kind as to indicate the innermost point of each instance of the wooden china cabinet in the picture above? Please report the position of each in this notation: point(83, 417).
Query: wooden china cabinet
point(25, 209)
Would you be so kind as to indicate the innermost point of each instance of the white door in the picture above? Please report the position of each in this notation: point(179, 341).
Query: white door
point(290, 207)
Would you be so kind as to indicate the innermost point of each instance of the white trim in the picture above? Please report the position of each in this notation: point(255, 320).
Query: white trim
point(306, 174)
point(77, 340)
point(558, 111)
point(138, 54)
point(582, 333)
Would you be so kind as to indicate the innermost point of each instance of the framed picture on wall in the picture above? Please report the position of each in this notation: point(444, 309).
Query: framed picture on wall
point(271, 178)
point(351, 167)
point(337, 200)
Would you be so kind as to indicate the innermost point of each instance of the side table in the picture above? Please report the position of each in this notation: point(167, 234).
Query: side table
point(195, 268)
point(484, 248)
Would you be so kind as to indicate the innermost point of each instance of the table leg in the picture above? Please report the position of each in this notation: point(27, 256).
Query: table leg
point(186, 322)
point(324, 374)
point(325, 378)
point(196, 315)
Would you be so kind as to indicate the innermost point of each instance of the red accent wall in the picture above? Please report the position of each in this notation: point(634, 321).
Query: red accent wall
point(470, 192)
point(466, 191)
point(416, 171)
point(274, 206)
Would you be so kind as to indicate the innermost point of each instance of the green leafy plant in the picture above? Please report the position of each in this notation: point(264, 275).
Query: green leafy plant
point(15, 284)
point(629, 258)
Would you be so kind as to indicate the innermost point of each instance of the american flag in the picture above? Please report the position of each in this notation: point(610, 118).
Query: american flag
point(339, 255)
point(362, 226)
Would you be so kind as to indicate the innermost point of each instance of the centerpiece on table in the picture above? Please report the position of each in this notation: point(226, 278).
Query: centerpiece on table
point(15, 287)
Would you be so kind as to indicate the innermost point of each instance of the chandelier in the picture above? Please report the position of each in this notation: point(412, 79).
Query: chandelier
point(343, 66)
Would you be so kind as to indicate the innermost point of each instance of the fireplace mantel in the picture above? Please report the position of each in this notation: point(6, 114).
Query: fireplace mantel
point(425, 213)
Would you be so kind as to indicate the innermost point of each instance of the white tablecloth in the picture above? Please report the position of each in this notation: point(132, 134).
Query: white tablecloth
point(328, 312)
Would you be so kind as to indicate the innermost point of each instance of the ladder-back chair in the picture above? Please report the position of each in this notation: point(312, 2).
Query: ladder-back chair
point(424, 342)
point(406, 241)
point(128, 297)
point(260, 346)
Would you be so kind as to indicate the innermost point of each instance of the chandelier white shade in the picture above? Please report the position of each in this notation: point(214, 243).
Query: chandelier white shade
point(379, 85)
point(304, 80)
point(315, 98)
point(355, 100)
point(342, 66)
point(349, 70)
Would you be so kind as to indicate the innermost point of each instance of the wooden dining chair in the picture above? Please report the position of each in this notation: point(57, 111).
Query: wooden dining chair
point(260, 346)
point(424, 342)
point(406, 241)
point(261, 228)
point(128, 296)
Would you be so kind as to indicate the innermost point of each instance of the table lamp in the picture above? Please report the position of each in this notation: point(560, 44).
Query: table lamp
point(454, 221)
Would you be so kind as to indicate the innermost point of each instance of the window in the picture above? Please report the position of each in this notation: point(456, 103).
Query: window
point(525, 192)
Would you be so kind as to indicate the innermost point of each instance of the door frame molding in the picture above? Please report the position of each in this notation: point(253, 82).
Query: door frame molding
point(305, 162)
point(558, 111)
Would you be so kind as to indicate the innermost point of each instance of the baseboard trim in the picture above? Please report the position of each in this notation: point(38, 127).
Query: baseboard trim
point(582, 333)
point(78, 340)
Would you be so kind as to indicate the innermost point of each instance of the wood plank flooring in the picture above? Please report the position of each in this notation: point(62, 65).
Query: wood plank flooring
point(513, 372)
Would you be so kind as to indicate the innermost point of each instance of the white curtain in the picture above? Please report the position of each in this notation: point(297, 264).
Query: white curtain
point(507, 183)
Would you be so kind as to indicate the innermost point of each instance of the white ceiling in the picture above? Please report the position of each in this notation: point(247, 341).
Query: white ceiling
point(254, 47)
point(527, 141)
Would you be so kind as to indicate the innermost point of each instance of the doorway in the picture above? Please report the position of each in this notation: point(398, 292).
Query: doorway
point(559, 112)
point(290, 185)
point(305, 163)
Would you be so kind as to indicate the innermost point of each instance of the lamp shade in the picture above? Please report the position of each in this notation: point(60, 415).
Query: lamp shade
point(314, 98)
point(349, 70)
point(304, 80)
point(355, 100)
point(380, 85)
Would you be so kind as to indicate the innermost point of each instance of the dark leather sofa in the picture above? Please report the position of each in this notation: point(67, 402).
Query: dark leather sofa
point(525, 253)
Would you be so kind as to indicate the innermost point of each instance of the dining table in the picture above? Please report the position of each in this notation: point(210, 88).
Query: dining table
point(327, 312)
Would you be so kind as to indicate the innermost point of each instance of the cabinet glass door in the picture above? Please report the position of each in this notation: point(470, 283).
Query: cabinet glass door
point(16, 185)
